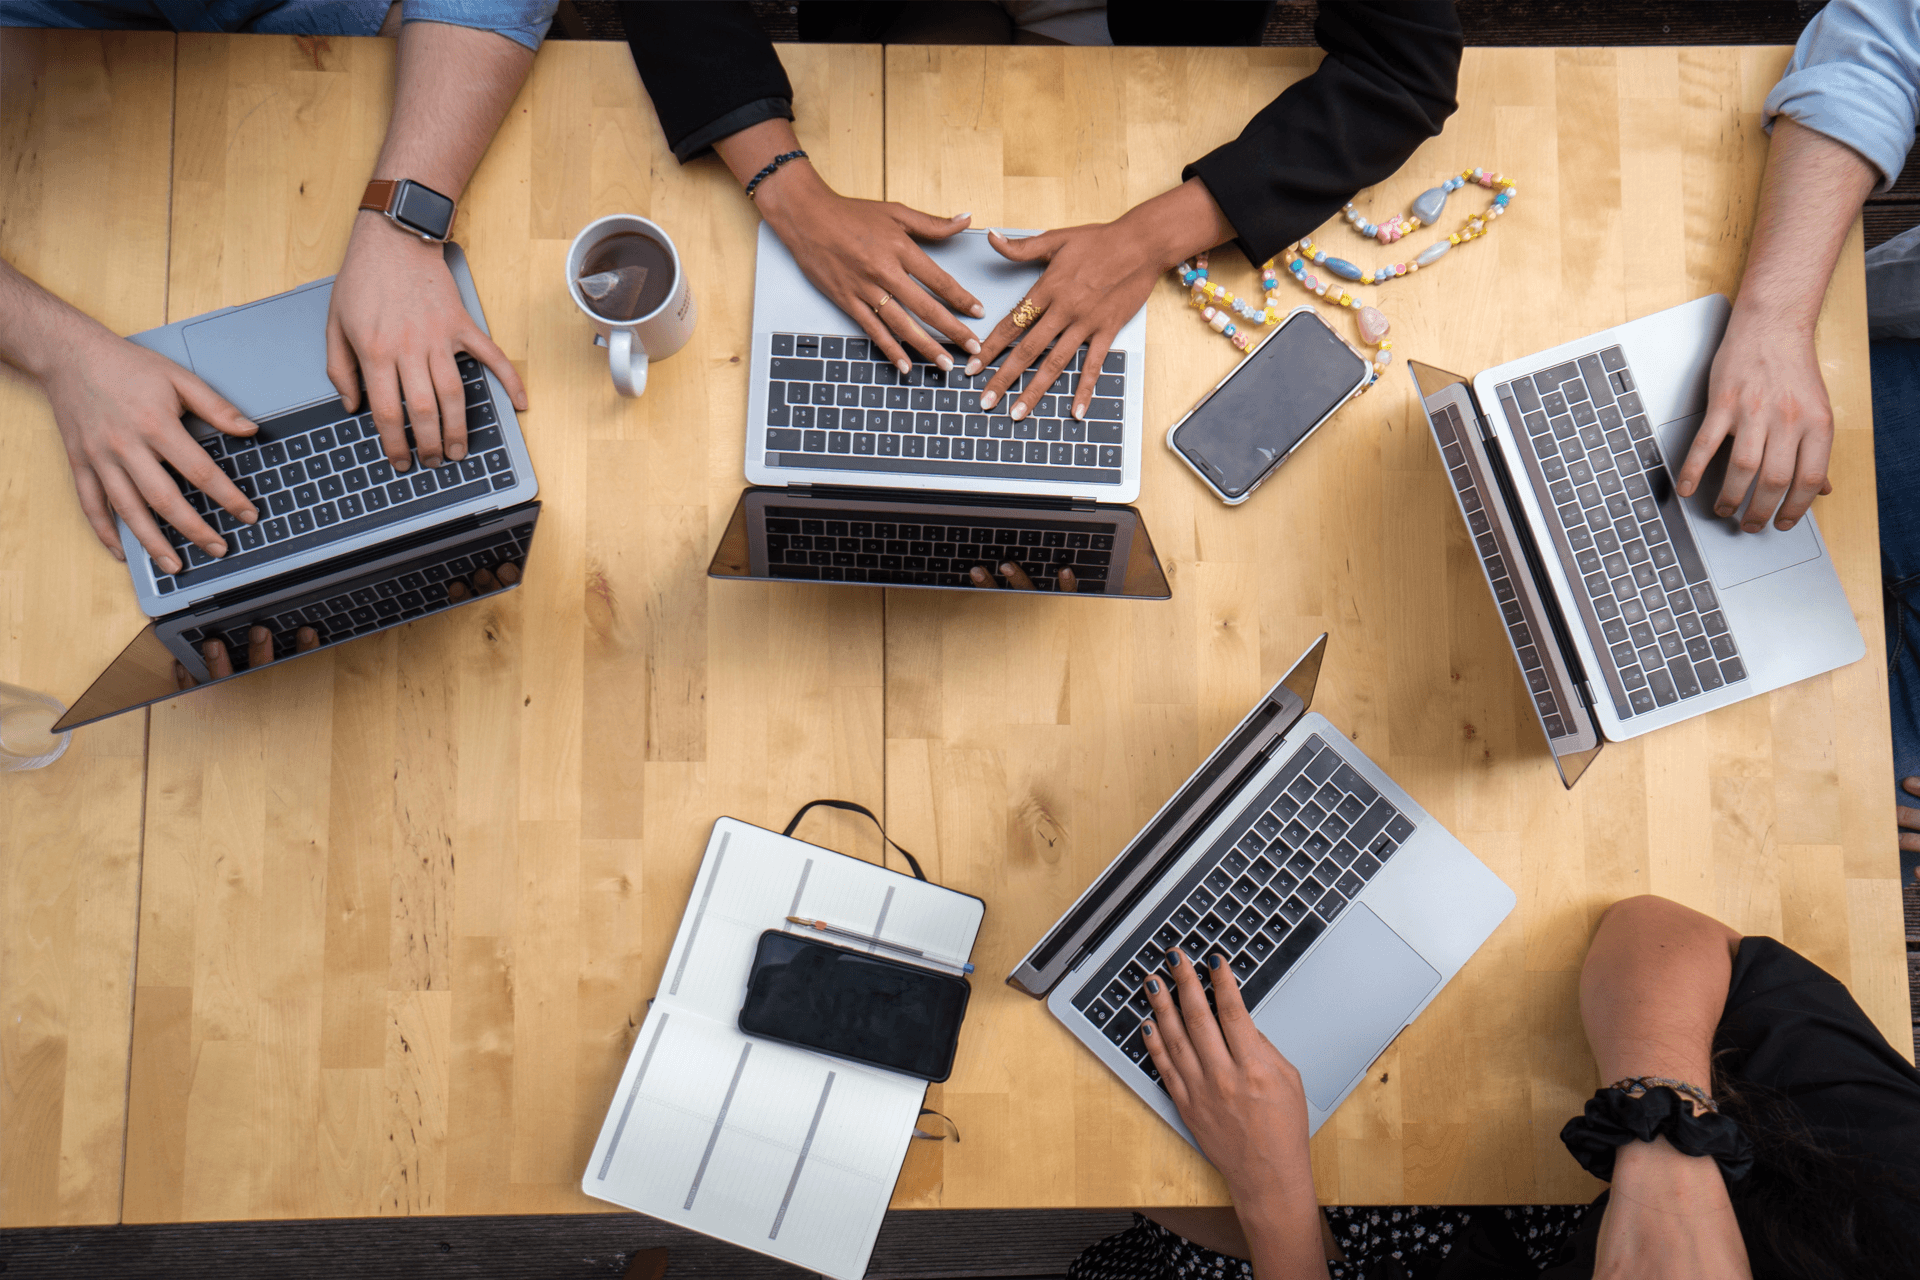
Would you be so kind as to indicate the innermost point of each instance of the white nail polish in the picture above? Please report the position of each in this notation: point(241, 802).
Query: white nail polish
point(973, 346)
point(958, 216)
point(903, 366)
point(945, 362)
point(988, 399)
point(1019, 412)
point(1079, 413)
point(973, 366)
point(978, 311)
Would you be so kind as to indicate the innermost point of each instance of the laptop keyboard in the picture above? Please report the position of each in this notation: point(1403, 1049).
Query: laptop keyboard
point(831, 404)
point(320, 474)
point(853, 546)
point(344, 611)
point(1629, 553)
point(1306, 846)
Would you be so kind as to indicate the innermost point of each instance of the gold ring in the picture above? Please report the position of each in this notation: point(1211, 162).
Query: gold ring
point(885, 298)
point(1024, 314)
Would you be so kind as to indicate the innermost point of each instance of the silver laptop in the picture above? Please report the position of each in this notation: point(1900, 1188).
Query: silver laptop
point(1627, 606)
point(822, 410)
point(1343, 906)
point(317, 473)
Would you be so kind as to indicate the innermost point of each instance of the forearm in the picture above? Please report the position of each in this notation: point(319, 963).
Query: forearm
point(452, 87)
point(1653, 989)
point(1811, 193)
point(1177, 224)
point(37, 328)
point(1284, 1229)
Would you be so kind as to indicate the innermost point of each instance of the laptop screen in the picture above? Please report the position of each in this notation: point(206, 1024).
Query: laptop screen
point(311, 611)
point(942, 540)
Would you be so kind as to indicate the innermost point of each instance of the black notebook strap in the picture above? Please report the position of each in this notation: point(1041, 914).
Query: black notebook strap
point(850, 807)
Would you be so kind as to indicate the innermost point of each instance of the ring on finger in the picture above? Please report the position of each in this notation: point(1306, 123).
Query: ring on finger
point(885, 298)
point(1024, 314)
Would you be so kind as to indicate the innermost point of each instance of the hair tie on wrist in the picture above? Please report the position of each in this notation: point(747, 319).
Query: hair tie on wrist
point(773, 167)
point(1643, 1108)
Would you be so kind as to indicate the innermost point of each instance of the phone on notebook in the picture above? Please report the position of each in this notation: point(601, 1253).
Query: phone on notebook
point(852, 1004)
point(1256, 416)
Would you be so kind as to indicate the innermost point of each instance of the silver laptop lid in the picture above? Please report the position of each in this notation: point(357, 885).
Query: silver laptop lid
point(1156, 850)
point(1509, 561)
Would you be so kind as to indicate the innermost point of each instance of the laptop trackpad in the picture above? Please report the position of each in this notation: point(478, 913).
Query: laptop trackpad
point(1733, 556)
point(1337, 1011)
point(267, 356)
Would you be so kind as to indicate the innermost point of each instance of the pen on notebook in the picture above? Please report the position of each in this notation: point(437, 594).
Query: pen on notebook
point(835, 930)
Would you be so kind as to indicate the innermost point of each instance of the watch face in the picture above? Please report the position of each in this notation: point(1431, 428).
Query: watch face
point(424, 209)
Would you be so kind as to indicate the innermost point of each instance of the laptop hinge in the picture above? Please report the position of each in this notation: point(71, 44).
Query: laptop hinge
point(946, 497)
point(324, 568)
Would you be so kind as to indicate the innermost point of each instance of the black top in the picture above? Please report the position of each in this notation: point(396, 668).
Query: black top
point(1385, 86)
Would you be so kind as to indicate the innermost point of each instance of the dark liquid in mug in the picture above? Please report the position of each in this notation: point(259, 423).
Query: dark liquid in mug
point(642, 274)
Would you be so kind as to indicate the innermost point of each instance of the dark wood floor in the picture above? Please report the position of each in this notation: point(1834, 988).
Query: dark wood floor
point(924, 1245)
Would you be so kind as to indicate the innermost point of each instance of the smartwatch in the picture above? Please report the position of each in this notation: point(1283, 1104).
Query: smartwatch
point(417, 209)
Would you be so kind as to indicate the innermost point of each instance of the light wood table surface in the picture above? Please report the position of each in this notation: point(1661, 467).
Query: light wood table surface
point(399, 906)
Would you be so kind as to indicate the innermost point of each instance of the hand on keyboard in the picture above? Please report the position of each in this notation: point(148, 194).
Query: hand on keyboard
point(396, 322)
point(260, 648)
point(484, 580)
point(1097, 277)
point(859, 252)
point(1016, 578)
point(1242, 1101)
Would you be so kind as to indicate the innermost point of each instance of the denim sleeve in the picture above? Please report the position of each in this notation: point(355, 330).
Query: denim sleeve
point(521, 21)
point(1855, 77)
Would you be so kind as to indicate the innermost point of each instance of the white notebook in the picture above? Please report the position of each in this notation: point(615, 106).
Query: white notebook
point(776, 1149)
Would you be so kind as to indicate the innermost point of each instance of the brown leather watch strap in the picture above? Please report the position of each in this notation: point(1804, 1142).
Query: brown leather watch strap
point(379, 196)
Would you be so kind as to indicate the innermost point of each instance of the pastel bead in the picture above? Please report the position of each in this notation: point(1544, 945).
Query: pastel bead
point(1373, 325)
point(1428, 204)
point(1433, 253)
point(1341, 267)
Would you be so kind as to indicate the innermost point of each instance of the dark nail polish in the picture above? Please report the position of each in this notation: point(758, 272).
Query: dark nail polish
point(1179, 957)
point(1153, 987)
point(1146, 1028)
point(1213, 962)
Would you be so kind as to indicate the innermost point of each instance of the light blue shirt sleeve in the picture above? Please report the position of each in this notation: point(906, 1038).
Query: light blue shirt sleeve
point(521, 21)
point(1855, 77)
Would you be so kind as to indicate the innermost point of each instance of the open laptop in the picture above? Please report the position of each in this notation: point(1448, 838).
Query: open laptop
point(826, 416)
point(1627, 606)
point(344, 545)
point(1343, 906)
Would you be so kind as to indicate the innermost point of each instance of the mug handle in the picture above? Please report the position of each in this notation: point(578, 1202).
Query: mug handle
point(627, 362)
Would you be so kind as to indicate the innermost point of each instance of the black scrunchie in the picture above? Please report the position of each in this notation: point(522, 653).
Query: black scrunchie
point(1614, 1118)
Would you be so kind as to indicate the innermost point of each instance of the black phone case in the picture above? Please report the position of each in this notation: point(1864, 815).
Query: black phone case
point(953, 1046)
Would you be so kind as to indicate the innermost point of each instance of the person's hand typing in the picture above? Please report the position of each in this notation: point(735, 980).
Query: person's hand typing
point(1668, 1218)
point(1097, 276)
point(1018, 580)
point(396, 323)
point(118, 407)
point(259, 654)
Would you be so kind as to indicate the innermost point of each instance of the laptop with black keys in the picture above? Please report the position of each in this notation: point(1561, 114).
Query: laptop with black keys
point(1341, 905)
point(345, 545)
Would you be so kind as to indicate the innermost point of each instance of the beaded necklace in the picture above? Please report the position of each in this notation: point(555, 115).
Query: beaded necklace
point(1215, 301)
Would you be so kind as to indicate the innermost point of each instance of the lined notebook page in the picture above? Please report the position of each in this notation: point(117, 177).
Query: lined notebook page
point(776, 1149)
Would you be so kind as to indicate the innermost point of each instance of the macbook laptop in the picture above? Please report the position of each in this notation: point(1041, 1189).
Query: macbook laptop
point(345, 545)
point(1343, 906)
point(827, 413)
point(1627, 606)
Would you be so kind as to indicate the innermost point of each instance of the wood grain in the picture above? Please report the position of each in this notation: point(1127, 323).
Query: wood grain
point(405, 900)
point(1637, 172)
point(83, 210)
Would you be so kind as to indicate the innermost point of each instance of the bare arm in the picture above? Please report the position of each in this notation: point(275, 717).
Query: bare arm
point(1651, 993)
point(1766, 391)
point(396, 319)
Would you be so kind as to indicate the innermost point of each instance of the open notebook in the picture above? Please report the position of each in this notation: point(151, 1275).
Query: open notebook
point(780, 1150)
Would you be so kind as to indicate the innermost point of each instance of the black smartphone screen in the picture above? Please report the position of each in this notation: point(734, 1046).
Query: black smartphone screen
point(1281, 392)
point(885, 1012)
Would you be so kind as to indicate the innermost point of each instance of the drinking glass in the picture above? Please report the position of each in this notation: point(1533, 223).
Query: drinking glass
point(27, 740)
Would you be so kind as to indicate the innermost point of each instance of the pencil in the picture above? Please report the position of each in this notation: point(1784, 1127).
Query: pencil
point(836, 931)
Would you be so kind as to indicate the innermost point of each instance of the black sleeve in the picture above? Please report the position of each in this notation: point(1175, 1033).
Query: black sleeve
point(1386, 86)
point(709, 69)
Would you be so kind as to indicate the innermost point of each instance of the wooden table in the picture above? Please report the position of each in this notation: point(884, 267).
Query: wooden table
point(399, 906)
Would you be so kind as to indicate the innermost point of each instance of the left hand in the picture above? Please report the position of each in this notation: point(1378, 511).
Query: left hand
point(1097, 277)
point(396, 322)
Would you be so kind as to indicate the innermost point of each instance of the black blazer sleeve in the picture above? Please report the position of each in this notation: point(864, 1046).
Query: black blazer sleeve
point(709, 68)
point(1387, 85)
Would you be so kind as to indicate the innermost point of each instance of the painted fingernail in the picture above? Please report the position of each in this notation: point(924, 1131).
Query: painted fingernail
point(958, 216)
point(1080, 413)
point(973, 346)
point(1213, 962)
point(1179, 957)
point(978, 576)
point(1008, 569)
point(1019, 412)
point(1146, 1029)
point(978, 311)
point(988, 399)
point(945, 361)
point(1153, 986)
point(973, 366)
point(903, 364)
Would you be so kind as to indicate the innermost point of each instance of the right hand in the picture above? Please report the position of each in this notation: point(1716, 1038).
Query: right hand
point(1242, 1101)
point(860, 251)
point(118, 407)
point(1668, 1218)
point(1766, 392)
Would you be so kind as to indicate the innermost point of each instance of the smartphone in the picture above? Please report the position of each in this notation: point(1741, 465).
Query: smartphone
point(1244, 428)
point(852, 1004)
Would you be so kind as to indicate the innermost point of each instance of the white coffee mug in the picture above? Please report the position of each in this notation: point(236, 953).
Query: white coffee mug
point(633, 344)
